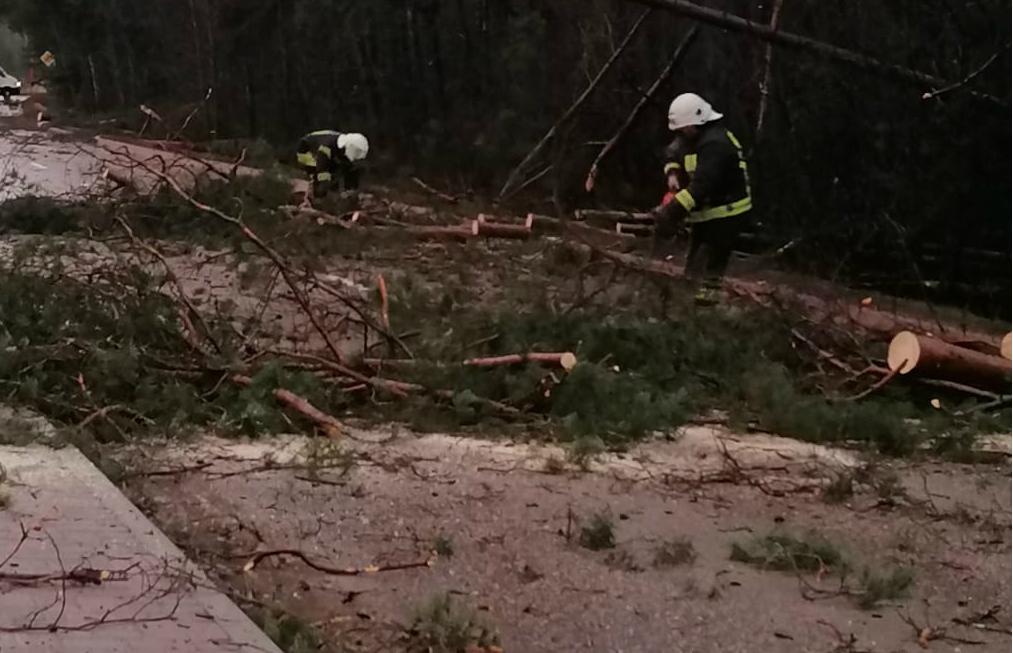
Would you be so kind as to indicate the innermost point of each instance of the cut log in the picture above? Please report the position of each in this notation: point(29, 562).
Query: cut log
point(1005, 346)
point(545, 222)
point(608, 219)
point(330, 425)
point(567, 360)
point(627, 229)
point(528, 221)
point(501, 230)
point(407, 212)
point(931, 357)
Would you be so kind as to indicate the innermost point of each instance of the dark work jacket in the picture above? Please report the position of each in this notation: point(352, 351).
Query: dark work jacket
point(318, 153)
point(718, 177)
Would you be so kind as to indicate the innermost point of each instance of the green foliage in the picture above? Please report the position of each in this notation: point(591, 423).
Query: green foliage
point(165, 215)
point(441, 625)
point(811, 552)
point(596, 400)
point(443, 546)
point(554, 465)
point(583, 450)
point(839, 489)
point(326, 454)
point(781, 407)
point(877, 587)
point(253, 409)
point(291, 633)
point(32, 215)
point(598, 534)
point(623, 560)
point(675, 552)
point(666, 371)
point(789, 552)
point(72, 348)
point(636, 374)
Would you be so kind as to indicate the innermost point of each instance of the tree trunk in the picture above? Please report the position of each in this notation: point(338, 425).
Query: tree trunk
point(767, 65)
point(94, 80)
point(732, 22)
point(928, 356)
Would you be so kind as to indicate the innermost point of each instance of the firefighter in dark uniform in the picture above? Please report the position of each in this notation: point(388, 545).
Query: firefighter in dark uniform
point(717, 199)
point(327, 155)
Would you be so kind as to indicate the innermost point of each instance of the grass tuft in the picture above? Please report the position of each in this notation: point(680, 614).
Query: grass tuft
point(441, 625)
point(675, 552)
point(598, 534)
point(789, 552)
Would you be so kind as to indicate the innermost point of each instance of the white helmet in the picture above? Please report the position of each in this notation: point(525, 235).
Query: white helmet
point(356, 146)
point(690, 109)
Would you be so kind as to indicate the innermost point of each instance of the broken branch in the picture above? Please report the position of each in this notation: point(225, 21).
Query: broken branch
point(566, 360)
point(333, 571)
point(630, 119)
point(330, 425)
point(521, 167)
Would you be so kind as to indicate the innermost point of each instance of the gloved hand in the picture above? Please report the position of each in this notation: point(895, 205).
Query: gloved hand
point(667, 219)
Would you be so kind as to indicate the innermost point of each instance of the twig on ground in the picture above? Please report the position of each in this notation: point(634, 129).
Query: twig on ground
point(333, 571)
point(926, 634)
point(17, 547)
point(877, 385)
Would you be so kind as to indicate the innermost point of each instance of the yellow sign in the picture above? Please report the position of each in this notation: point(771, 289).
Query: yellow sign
point(48, 59)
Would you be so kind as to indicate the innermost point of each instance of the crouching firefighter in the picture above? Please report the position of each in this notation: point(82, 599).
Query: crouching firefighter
point(716, 200)
point(327, 156)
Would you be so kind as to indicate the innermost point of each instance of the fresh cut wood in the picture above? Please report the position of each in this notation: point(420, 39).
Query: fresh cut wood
point(501, 230)
point(930, 357)
point(567, 360)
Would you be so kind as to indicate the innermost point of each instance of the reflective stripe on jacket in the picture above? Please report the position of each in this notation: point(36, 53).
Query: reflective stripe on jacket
point(719, 177)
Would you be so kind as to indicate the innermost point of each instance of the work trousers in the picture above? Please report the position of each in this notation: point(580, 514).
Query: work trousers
point(710, 248)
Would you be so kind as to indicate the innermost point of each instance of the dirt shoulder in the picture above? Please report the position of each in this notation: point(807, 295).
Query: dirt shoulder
point(510, 528)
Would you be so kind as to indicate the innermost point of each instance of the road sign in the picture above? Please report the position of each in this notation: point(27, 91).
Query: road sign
point(48, 59)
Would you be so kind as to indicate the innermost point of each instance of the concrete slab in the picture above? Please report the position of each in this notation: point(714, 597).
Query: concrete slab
point(139, 592)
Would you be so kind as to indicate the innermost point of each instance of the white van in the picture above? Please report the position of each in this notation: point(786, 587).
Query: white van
point(9, 84)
